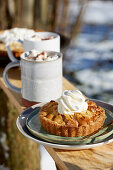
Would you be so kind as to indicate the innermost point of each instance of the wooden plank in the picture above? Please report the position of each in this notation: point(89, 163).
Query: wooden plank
point(96, 158)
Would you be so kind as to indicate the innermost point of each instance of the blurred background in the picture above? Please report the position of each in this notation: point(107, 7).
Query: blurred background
point(86, 29)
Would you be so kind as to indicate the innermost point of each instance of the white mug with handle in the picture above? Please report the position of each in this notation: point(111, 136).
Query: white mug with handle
point(41, 81)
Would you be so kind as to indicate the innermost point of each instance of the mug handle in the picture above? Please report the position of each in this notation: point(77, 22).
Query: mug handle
point(10, 54)
point(5, 76)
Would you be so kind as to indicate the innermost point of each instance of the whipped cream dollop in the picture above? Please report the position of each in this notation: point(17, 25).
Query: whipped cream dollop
point(71, 102)
point(35, 55)
point(16, 34)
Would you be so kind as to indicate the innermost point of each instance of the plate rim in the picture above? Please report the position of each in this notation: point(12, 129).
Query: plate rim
point(60, 146)
point(64, 140)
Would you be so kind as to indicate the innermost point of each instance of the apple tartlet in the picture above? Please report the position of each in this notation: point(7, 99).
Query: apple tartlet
point(72, 115)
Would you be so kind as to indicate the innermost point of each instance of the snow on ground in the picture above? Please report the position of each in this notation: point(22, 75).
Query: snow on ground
point(98, 12)
point(2, 167)
point(89, 58)
point(47, 163)
point(3, 144)
point(91, 66)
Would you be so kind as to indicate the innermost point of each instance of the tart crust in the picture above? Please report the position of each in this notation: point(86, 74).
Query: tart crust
point(79, 124)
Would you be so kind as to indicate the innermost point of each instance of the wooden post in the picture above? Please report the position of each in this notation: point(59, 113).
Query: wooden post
point(17, 152)
point(27, 13)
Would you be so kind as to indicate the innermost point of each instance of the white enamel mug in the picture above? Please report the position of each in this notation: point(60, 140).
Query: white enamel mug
point(41, 81)
point(32, 43)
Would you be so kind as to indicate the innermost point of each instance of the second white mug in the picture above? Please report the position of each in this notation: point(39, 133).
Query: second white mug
point(52, 44)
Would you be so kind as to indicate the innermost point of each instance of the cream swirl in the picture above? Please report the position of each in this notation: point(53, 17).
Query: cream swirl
point(72, 101)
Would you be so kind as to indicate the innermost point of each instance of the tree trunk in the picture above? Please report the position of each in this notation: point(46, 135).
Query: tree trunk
point(79, 20)
point(37, 14)
point(54, 14)
point(17, 22)
point(64, 16)
point(5, 18)
point(27, 13)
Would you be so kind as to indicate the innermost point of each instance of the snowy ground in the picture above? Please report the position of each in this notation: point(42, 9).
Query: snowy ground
point(89, 58)
point(90, 65)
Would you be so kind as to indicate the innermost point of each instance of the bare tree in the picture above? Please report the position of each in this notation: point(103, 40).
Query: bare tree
point(54, 14)
point(79, 19)
point(5, 17)
point(27, 13)
point(63, 23)
point(37, 14)
point(17, 22)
